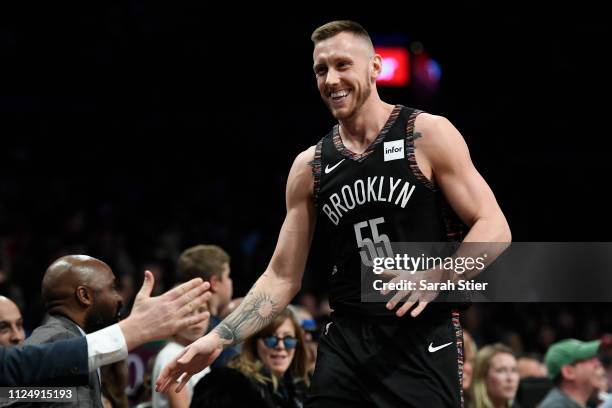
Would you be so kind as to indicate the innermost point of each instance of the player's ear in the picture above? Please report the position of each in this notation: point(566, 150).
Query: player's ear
point(375, 67)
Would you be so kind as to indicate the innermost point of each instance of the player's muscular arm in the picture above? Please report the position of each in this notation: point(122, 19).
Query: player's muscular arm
point(282, 278)
point(271, 293)
point(443, 155)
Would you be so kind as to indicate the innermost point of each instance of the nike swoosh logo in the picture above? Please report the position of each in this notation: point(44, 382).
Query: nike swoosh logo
point(433, 349)
point(330, 169)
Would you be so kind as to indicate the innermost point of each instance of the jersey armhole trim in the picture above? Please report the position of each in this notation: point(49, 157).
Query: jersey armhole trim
point(455, 319)
point(316, 173)
point(409, 139)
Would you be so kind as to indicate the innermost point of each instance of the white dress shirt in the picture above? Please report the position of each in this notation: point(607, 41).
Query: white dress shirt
point(106, 346)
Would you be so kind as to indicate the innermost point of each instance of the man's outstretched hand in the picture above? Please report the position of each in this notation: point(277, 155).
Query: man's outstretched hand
point(196, 357)
point(155, 318)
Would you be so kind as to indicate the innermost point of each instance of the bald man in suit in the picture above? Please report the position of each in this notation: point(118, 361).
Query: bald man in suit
point(68, 362)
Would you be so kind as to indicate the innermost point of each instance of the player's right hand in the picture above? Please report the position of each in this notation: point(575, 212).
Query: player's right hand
point(417, 298)
point(194, 358)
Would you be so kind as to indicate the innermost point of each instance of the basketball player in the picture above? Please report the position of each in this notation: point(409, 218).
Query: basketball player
point(384, 173)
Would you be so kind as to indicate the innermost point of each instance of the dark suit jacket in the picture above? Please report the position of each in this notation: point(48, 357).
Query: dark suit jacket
point(59, 364)
point(55, 328)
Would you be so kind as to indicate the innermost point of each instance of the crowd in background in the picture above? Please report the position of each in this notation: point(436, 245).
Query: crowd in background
point(520, 357)
point(28, 247)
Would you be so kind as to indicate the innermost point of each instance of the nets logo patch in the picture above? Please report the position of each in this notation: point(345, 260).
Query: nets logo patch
point(394, 150)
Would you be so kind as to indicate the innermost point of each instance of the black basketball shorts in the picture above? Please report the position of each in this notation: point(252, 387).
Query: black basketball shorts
point(389, 362)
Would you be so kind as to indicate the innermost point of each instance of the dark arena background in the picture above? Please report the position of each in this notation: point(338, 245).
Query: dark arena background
point(131, 131)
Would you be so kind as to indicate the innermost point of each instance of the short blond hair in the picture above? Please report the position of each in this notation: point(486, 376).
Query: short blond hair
point(201, 261)
point(334, 28)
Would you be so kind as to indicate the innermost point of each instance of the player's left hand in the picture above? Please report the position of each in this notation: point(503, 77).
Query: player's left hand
point(419, 296)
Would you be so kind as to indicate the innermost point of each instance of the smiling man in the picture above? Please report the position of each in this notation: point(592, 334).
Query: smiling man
point(80, 296)
point(384, 173)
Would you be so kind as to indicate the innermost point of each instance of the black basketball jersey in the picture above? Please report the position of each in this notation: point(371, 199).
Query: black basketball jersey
point(365, 202)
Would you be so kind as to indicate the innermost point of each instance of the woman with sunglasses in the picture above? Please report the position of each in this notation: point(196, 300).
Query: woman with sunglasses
point(275, 360)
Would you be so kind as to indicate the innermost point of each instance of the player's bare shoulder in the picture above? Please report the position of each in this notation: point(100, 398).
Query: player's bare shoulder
point(301, 181)
point(306, 157)
point(436, 140)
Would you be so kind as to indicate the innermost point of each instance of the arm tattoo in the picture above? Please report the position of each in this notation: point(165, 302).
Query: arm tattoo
point(256, 311)
point(415, 136)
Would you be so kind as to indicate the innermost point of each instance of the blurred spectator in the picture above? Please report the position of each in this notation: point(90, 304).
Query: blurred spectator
point(231, 306)
point(143, 396)
point(534, 382)
point(531, 366)
point(226, 388)
point(496, 377)
point(311, 335)
point(11, 323)
point(275, 360)
point(178, 343)
point(211, 263)
point(309, 301)
point(114, 381)
point(470, 350)
point(600, 395)
point(573, 366)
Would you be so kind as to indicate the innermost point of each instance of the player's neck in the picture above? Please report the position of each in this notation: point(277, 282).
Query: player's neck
point(360, 130)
